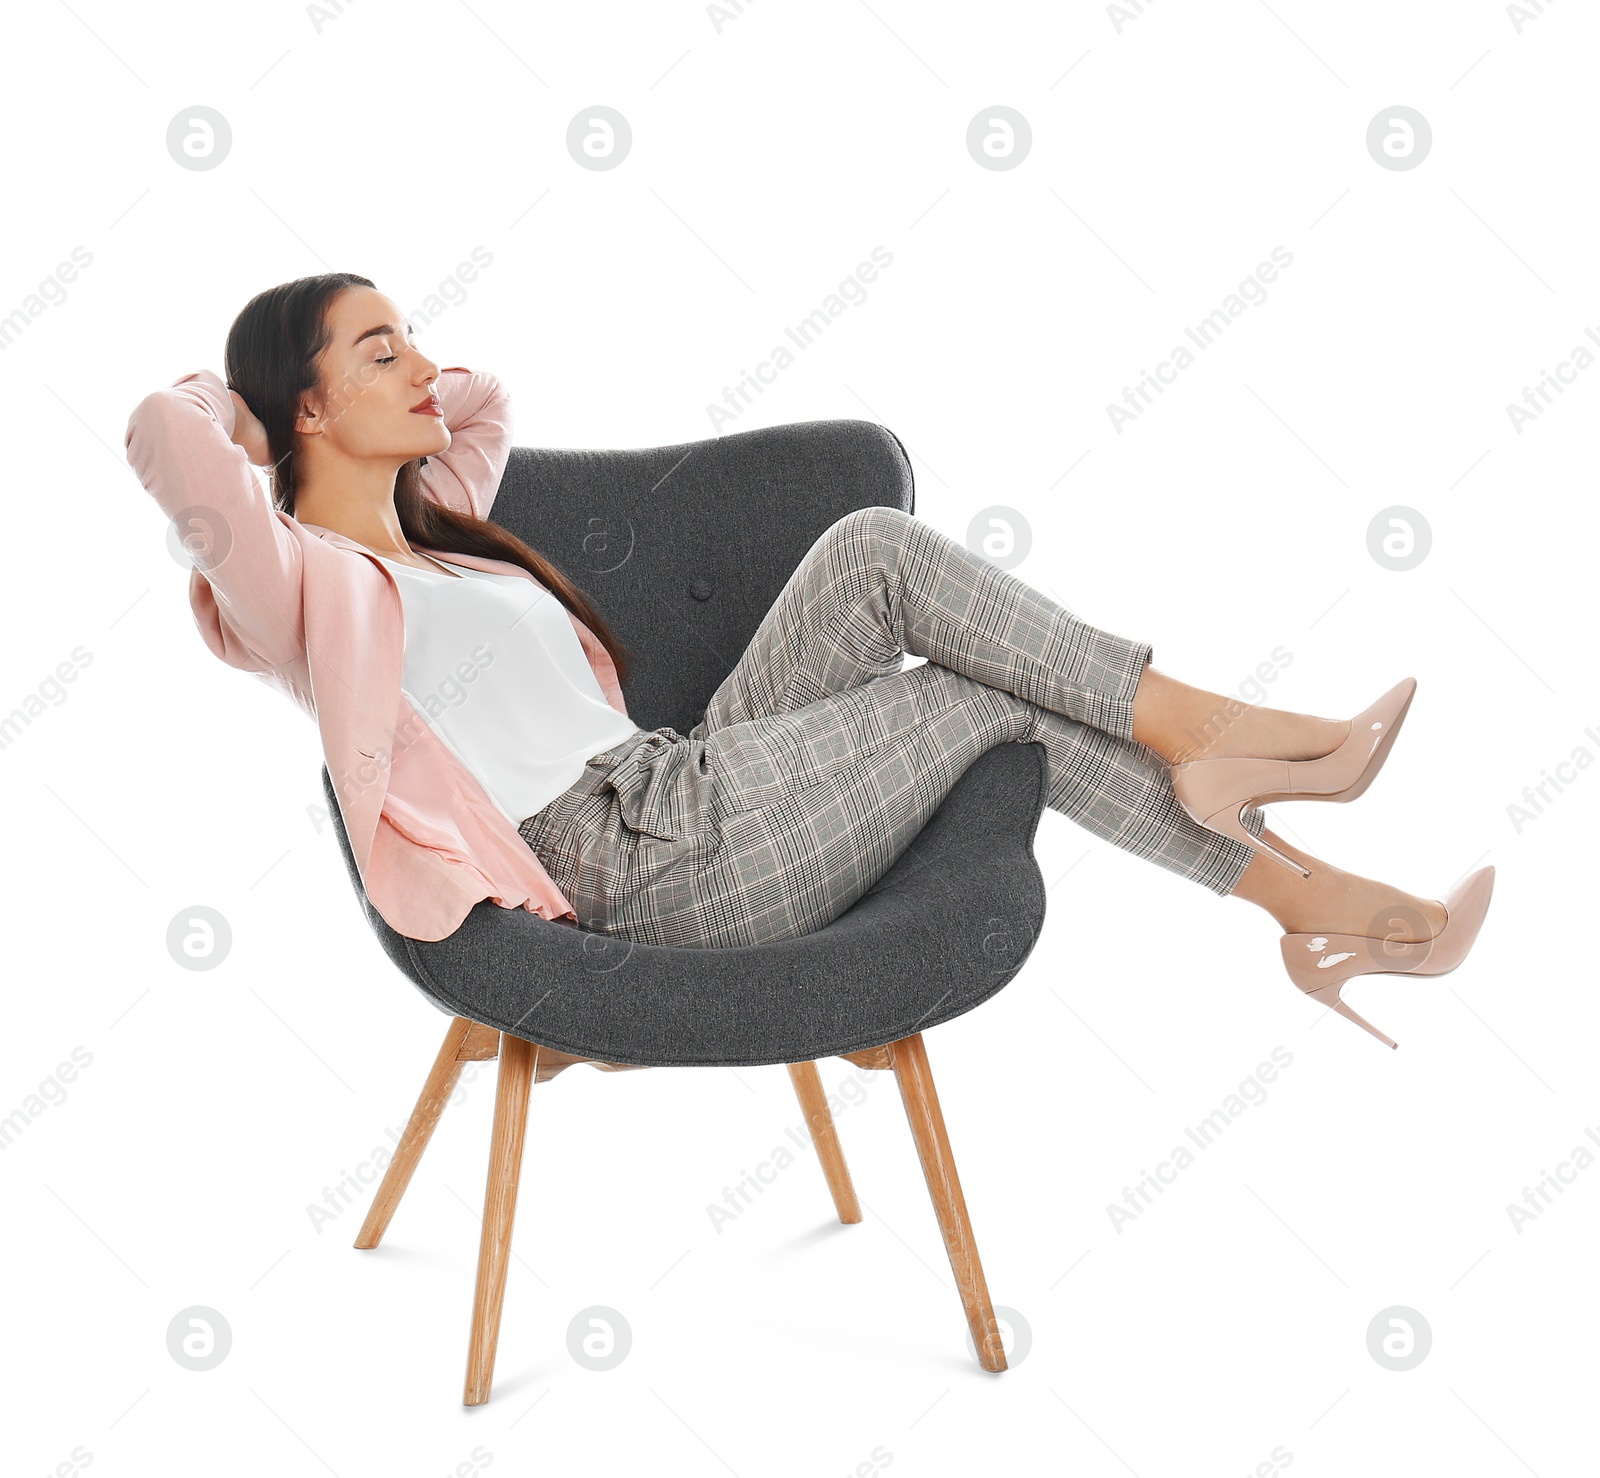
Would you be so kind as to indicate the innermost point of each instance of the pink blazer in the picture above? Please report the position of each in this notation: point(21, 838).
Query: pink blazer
point(320, 616)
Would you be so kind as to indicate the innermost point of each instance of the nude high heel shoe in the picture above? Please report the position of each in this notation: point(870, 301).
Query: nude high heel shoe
point(1320, 964)
point(1215, 792)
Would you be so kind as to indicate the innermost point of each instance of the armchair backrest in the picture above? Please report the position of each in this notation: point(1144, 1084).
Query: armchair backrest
point(684, 548)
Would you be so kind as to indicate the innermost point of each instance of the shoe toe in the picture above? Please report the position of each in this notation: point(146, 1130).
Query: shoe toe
point(1467, 904)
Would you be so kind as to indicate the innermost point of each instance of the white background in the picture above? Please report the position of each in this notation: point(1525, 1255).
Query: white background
point(772, 151)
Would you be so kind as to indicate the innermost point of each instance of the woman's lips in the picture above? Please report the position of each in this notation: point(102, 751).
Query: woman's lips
point(428, 407)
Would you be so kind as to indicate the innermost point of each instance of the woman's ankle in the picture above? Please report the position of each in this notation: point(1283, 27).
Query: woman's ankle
point(1292, 900)
point(1181, 722)
point(1163, 711)
point(1333, 901)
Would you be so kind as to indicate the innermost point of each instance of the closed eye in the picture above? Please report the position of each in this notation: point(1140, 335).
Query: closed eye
point(411, 342)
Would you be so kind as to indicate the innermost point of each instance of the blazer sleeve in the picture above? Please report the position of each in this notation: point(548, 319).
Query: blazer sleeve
point(179, 443)
point(477, 411)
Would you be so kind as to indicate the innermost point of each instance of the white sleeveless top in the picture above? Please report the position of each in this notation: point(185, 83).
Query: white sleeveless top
point(494, 666)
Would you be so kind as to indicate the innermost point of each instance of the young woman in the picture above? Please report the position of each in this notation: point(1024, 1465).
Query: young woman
point(480, 747)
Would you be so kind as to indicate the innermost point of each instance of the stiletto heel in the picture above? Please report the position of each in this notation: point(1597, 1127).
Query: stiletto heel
point(1229, 822)
point(1321, 964)
point(1215, 791)
point(1330, 997)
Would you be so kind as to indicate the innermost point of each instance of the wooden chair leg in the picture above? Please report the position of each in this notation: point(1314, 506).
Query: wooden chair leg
point(521, 1066)
point(825, 1136)
point(517, 1064)
point(436, 1091)
point(915, 1078)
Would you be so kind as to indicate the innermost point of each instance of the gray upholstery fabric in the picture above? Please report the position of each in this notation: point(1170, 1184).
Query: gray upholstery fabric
point(683, 549)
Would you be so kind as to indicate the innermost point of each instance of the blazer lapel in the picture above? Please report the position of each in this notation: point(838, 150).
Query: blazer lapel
point(356, 669)
point(355, 647)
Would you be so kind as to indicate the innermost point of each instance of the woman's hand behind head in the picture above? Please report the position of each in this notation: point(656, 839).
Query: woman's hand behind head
point(249, 433)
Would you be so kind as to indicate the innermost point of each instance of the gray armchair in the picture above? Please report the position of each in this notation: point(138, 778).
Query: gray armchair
point(684, 548)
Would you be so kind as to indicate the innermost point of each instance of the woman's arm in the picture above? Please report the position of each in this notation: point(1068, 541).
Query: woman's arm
point(179, 442)
point(466, 475)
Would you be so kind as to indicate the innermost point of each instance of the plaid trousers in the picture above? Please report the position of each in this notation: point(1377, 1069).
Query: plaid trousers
point(820, 756)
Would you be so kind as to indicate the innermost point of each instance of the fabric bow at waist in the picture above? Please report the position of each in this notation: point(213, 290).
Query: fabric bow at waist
point(645, 778)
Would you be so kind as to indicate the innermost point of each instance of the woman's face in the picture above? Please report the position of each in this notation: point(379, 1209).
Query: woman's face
point(375, 387)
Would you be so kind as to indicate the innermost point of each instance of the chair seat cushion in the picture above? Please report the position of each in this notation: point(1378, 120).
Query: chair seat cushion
point(945, 928)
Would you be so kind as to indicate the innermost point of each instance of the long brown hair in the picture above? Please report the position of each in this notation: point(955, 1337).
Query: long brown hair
point(270, 360)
